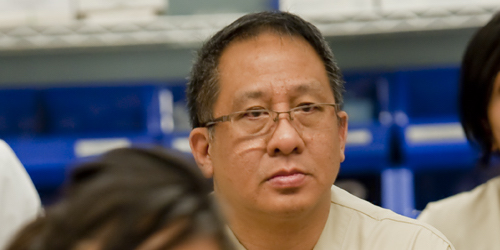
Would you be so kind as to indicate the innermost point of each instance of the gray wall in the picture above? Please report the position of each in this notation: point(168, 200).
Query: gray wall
point(393, 51)
point(385, 51)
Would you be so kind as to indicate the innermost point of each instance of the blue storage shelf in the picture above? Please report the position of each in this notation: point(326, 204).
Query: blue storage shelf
point(369, 152)
point(69, 123)
point(398, 192)
point(430, 142)
point(178, 141)
point(103, 109)
point(19, 112)
point(369, 147)
point(436, 145)
point(425, 108)
point(368, 141)
point(44, 159)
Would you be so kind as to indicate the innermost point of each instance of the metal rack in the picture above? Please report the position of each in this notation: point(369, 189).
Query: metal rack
point(190, 31)
point(378, 22)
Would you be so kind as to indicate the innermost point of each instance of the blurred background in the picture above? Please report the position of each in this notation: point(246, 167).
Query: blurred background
point(80, 77)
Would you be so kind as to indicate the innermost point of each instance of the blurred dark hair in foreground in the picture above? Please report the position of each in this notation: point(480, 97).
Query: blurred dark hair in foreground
point(130, 198)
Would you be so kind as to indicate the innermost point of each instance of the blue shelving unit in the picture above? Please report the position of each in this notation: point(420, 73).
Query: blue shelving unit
point(19, 112)
point(398, 193)
point(51, 129)
point(368, 141)
point(425, 109)
point(429, 139)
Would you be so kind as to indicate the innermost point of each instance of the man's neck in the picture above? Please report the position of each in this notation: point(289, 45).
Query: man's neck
point(299, 231)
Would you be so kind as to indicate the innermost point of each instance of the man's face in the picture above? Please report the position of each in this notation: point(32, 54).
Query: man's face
point(290, 169)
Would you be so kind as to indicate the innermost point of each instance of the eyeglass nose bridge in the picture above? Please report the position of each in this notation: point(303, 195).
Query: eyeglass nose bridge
point(277, 115)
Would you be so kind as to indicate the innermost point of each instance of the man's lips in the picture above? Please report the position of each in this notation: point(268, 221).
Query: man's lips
point(287, 179)
point(285, 173)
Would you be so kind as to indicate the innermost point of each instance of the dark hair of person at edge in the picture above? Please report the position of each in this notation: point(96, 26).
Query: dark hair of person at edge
point(479, 69)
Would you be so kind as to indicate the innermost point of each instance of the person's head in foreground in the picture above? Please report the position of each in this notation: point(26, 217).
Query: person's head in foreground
point(265, 99)
point(131, 198)
point(480, 89)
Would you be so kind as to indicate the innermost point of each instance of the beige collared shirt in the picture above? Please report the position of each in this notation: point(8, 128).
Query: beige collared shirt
point(19, 200)
point(471, 220)
point(355, 224)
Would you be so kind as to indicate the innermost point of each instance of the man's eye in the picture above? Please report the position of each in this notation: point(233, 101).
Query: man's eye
point(256, 113)
point(307, 108)
point(253, 114)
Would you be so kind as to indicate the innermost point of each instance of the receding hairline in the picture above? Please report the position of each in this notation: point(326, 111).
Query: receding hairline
point(261, 29)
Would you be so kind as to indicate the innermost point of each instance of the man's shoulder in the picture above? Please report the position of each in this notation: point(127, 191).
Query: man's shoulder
point(376, 225)
point(364, 208)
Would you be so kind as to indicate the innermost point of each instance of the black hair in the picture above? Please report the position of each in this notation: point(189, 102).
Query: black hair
point(202, 91)
point(480, 66)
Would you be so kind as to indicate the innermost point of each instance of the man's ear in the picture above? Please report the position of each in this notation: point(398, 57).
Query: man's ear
point(199, 143)
point(342, 129)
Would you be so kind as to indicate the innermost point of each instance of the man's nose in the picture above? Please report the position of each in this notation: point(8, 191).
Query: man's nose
point(285, 139)
point(278, 114)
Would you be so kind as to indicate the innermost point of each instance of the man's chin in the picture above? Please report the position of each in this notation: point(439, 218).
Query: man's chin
point(289, 206)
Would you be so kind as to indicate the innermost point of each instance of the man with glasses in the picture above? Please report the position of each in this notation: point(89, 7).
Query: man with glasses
point(264, 99)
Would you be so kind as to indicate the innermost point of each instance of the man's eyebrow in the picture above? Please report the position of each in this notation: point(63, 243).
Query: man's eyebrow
point(248, 95)
point(253, 94)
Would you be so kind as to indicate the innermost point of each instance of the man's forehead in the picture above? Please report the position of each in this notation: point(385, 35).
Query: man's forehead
point(261, 36)
point(271, 65)
point(251, 51)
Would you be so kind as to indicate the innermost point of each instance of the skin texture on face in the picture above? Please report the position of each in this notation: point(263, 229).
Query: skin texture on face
point(494, 113)
point(289, 171)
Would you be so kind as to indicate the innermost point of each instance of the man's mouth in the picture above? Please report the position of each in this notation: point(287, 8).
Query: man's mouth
point(287, 179)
